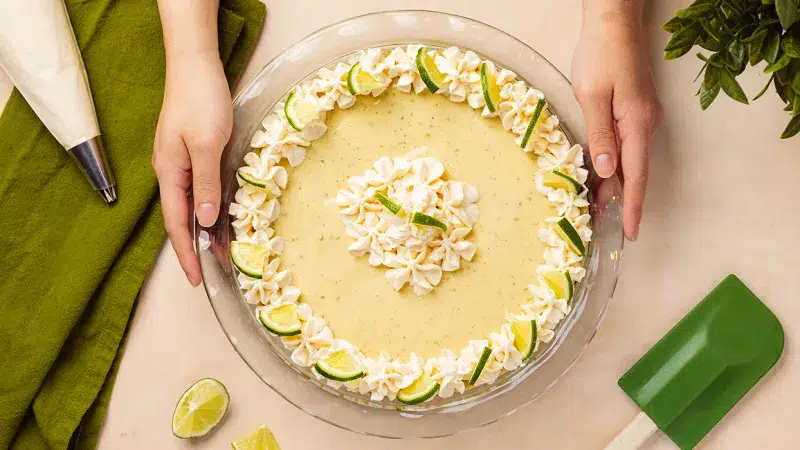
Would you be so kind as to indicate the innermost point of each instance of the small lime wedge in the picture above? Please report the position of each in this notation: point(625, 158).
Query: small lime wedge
point(568, 234)
point(360, 82)
point(423, 389)
point(299, 111)
point(491, 91)
point(251, 179)
point(425, 220)
point(487, 352)
point(249, 258)
point(524, 337)
point(261, 439)
point(393, 207)
point(537, 113)
point(560, 282)
point(340, 366)
point(428, 71)
point(559, 180)
point(200, 409)
point(282, 320)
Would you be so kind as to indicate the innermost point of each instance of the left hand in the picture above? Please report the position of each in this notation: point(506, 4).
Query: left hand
point(613, 82)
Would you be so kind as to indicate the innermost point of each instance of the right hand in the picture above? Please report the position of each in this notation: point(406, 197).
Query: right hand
point(193, 128)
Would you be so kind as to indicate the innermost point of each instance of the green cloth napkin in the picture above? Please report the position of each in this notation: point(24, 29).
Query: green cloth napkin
point(72, 266)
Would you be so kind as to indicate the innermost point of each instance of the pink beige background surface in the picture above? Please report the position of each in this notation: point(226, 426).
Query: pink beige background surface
point(722, 199)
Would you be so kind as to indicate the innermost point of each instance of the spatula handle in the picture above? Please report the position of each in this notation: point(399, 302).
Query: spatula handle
point(635, 434)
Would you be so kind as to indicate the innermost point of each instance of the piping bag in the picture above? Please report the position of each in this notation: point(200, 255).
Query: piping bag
point(39, 52)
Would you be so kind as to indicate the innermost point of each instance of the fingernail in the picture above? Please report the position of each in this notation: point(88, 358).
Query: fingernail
point(206, 214)
point(635, 234)
point(191, 280)
point(604, 166)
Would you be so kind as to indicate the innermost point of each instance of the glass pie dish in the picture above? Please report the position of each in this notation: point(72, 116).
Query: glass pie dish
point(477, 406)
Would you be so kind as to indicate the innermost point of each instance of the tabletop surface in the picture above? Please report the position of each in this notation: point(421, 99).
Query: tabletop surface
point(717, 203)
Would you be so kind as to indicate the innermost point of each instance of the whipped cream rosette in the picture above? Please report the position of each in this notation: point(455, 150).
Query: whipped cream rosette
point(405, 215)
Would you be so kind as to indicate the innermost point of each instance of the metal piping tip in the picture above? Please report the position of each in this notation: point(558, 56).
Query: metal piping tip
point(109, 194)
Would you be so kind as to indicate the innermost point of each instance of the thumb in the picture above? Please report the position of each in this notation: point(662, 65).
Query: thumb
point(602, 136)
point(206, 186)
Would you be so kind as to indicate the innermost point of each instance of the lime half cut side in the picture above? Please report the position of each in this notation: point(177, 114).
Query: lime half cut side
point(340, 366)
point(282, 321)
point(426, 65)
point(249, 258)
point(537, 113)
point(299, 111)
point(261, 439)
point(423, 389)
point(425, 220)
point(361, 82)
point(560, 282)
point(568, 234)
point(491, 91)
point(487, 352)
point(559, 180)
point(524, 337)
point(200, 409)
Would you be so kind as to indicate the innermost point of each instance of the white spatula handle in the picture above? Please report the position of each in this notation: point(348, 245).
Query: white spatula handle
point(635, 434)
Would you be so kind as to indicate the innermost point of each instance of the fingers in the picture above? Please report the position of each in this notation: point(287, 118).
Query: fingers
point(635, 167)
point(602, 135)
point(174, 181)
point(206, 187)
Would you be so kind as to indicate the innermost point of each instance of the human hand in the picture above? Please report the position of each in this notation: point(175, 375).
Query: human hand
point(194, 126)
point(613, 82)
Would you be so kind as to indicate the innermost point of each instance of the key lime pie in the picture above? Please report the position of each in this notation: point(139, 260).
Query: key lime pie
point(402, 245)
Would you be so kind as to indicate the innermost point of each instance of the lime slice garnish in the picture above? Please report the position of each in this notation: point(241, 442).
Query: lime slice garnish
point(249, 178)
point(282, 320)
point(393, 207)
point(361, 82)
point(422, 389)
point(560, 180)
point(560, 282)
point(249, 258)
point(491, 91)
point(524, 337)
point(340, 366)
point(537, 113)
point(428, 71)
point(299, 111)
point(261, 439)
point(425, 220)
point(200, 409)
point(481, 364)
point(568, 234)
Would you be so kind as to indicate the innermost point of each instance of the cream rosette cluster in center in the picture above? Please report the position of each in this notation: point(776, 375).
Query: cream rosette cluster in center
point(404, 214)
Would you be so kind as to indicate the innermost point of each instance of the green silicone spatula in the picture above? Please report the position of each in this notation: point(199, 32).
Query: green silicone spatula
point(695, 374)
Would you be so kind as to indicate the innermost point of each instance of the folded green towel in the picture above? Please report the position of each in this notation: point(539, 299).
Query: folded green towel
point(72, 266)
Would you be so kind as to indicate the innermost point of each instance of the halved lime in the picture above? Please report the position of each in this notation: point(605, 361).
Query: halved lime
point(261, 439)
point(393, 207)
point(491, 91)
point(249, 178)
point(568, 234)
point(422, 389)
point(299, 111)
point(361, 82)
point(560, 282)
point(426, 65)
point(249, 258)
point(200, 409)
point(282, 320)
point(524, 337)
point(487, 352)
point(340, 366)
point(425, 220)
point(537, 113)
point(559, 180)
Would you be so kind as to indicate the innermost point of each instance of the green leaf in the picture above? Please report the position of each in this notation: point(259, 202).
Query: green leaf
point(779, 64)
point(674, 24)
point(764, 90)
point(780, 89)
point(796, 107)
point(759, 33)
point(767, 2)
point(702, 69)
point(694, 11)
point(731, 87)
point(755, 48)
point(792, 128)
point(727, 11)
point(772, 44)
point(711, 77)
point(685, 37)
point(787, 12)
point(711, 45)
point(675, 54)
point(707, 96)
point(736, 50)
point(711, 30)
point(791, 46)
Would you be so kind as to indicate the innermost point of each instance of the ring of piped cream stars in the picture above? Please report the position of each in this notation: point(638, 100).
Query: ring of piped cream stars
point(462, 77)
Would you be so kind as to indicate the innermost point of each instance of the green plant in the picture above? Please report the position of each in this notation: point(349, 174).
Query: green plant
point(738, 32)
